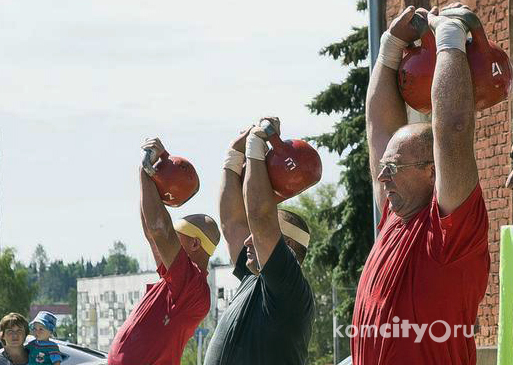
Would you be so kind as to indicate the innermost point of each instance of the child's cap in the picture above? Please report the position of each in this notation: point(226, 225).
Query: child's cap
point(45, 318)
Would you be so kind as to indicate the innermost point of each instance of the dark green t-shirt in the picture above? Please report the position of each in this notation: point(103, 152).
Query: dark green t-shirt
point(269, 320)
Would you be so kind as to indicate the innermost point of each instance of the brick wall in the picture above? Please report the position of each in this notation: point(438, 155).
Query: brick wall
point(493, 141)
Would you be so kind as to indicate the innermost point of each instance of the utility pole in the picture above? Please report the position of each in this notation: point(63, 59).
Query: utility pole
point(200, 348)
point(334, 299)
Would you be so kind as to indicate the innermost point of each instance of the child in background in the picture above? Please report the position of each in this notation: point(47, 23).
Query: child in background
point(42, 351)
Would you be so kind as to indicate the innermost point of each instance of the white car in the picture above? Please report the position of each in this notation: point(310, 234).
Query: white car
point(346, 361)
point(77, 355)
point(73, 354)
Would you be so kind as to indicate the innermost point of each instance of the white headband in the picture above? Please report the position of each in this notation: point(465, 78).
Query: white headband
point(294, 232)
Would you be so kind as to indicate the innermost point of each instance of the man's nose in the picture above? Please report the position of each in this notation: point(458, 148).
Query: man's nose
point(384, 175)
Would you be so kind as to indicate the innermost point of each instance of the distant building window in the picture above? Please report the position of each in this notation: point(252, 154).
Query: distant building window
point(220, 293)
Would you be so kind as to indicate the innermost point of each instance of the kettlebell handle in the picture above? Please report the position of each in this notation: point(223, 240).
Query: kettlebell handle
point(147, 165)
point(468, 17)
point(268, 128)
point(420, 24)
point(272, 136)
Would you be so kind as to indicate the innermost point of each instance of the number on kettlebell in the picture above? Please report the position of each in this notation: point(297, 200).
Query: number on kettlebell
point(290, 163)
point(496, 70)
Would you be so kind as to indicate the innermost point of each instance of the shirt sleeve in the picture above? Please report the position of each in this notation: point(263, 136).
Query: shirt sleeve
point(241, 269)
point(283, 280)
point(55, 354)
point(460, 233)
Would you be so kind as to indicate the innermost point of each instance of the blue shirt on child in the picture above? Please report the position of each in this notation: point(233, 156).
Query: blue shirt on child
point(43, 352)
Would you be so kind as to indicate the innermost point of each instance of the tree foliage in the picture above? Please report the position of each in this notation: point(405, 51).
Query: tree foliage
point(119, 262)
point(54, 282)
point(319, 274)
point(40, 259)
point(351, 218)
point(16, 292)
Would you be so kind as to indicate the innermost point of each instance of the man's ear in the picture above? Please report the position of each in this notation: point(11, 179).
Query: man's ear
point(196, 244)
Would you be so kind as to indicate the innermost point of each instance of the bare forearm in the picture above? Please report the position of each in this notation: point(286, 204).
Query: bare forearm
point(157, 221)
point(155, 214)
point(385, 114)
point(153, 246)
point(258, 192)
point(261, 209)
point(453, 127)
point(386, 111)
point(384, 102)
point(452, 95)
point(232, 213)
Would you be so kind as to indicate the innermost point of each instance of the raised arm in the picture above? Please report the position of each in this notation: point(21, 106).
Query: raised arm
point(385, 108)
point(231, 205)
point(153, 246)
point(453, 116)
point(259, 198)
point(156, 221)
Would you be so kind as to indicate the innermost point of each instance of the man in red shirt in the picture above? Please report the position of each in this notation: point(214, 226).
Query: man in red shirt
point(419, 292)
point(158, 329)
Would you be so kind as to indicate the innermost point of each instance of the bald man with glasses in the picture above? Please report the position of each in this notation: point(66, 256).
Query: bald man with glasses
point(429, 264)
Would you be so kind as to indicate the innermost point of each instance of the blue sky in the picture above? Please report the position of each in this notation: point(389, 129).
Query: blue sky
point(84, 82)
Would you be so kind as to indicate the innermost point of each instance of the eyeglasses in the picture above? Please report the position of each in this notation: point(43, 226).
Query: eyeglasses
point(393, 168)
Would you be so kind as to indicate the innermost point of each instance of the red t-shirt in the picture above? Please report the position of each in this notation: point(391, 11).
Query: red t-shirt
point(158, 329)
point(427, 270)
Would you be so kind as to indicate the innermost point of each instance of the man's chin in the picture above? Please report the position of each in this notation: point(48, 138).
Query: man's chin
point(395, 203)
point(252, 266)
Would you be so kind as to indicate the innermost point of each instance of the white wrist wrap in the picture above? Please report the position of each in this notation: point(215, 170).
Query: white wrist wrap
point(391, 50)
point(451, 34)
point(255, 147)
point(234, 161)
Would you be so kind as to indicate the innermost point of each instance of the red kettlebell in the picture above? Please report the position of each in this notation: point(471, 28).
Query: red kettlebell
point(293, 165)
point(175, 178)
point(417, 67)
point(489, 67)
